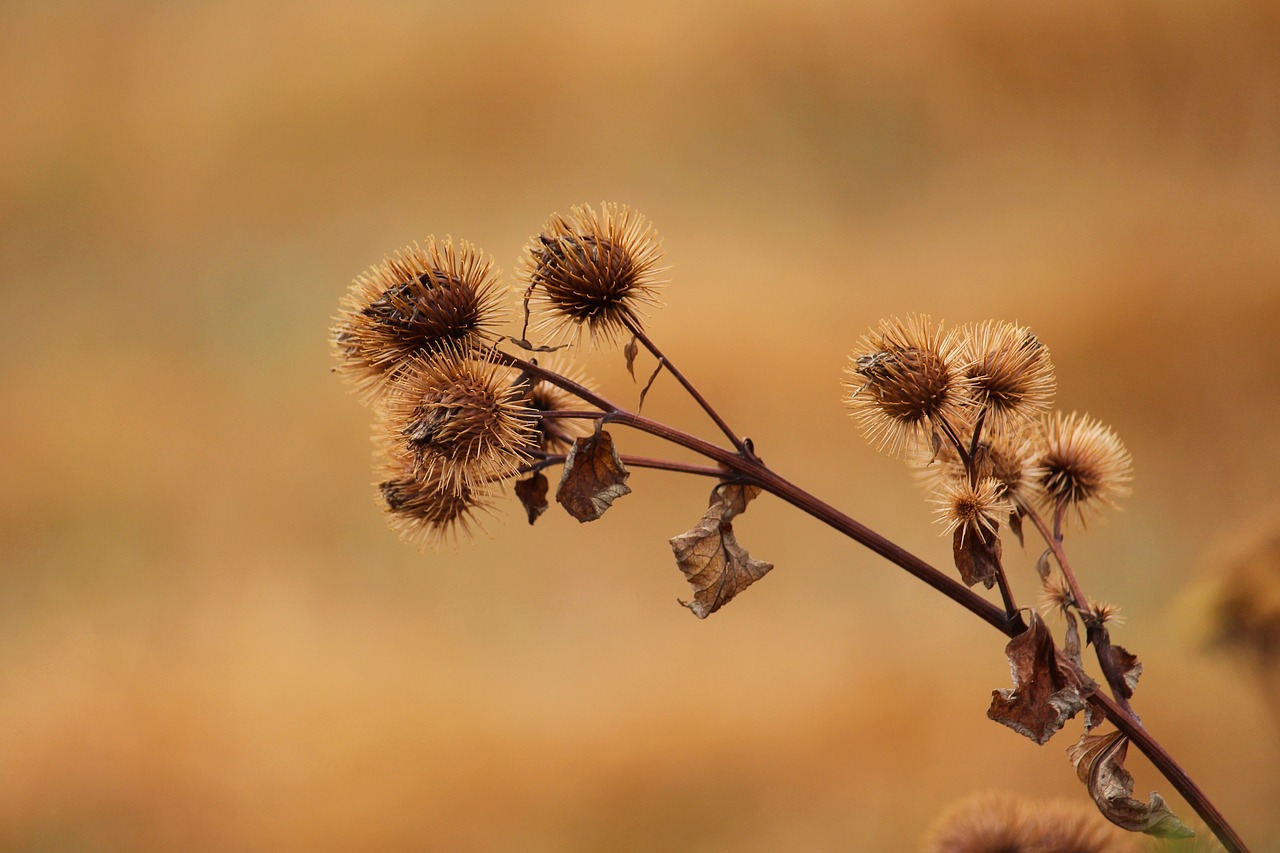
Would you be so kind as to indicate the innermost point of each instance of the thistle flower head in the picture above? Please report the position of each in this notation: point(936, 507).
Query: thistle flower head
point(422, 508)
point(591, 270)
point(1084, 465)
point(1009, 456)
point(905, 379)
point(461, 419)
point(974, 510)
point(419, 301)
point(556, 435)
point(1011, 375)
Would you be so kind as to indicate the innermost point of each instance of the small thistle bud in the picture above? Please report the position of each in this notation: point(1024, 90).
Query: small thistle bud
point(556, 435)
point(461, 418)
point(420, 301)
point(905, 380)
point(593, 270)
point(1057, 596)
point(1011, 375)
point(971, 510)
point(422, 509)
point(1084, 465)
point(1107, 613)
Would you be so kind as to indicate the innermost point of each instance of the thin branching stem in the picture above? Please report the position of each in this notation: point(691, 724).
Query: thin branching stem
point(1097, 633)
point(693, 392)
point(746, 467)
point(630, 461)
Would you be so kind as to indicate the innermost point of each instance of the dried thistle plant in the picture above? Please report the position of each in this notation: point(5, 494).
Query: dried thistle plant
point(462, 413)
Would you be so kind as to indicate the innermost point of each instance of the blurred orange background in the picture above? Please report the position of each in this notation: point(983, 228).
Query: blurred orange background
point(210, 639)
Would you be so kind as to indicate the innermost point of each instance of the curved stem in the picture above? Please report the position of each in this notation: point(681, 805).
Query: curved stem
point(1171, 770)
point(638, 462)
point(747, 466)
point(1096, 632)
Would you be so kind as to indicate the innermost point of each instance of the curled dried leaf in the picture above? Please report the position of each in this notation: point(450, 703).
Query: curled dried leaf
point(977, 555)
point(1042, 565)
point(1099, 763)
point(594, 477)
point(713, 562)
point(1129, 667)
point(533, 494)
point(1015, 525)
point(630, 351)
point(1049, 688)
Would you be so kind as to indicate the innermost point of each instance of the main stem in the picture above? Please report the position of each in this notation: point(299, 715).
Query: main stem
point(745, 465)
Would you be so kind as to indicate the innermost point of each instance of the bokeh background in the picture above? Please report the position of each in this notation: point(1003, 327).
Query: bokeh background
point(210, 641)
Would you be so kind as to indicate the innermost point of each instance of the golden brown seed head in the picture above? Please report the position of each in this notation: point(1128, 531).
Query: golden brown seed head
point(591, 270)
point(1084, 465)
point(1008, 456)
point(421, 508)
point(460, 418)
point(556, 435)
point(905, 379)
point(1010, 371)
point(975, 510)
point(423, 299)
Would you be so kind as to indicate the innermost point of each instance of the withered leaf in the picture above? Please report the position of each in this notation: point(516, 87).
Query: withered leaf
point(630, 351)
point(977, 556)
point(644, 392)
point(1129, 666)
point(713, 562)
point(1042, 565)
point(1015, 524)
point(593, 477)
point(1048, 687)
point(533, 495)
point(736, 496)
point(1071, 646)
point(1099, 763)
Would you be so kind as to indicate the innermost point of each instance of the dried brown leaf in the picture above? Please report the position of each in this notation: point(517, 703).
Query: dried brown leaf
point(977, 556)
point(736, 496)
point(1042, 565)
point(644, 392)
point(630, 351)
point(533, 495)
point(593, 477)
point(1129, 667)
point(1048, 687)
point(1099, 763)
point(1071, 646)
point(1015, 524)
point(713, 562)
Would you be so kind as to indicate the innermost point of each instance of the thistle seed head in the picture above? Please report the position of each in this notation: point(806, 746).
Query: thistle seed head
point(591, 270)
point(460, 418)
point(1010, 372)
point(421, 508)
point(1084, 465)
point(421, 300)
point(905, 379)
point(556, 435)
point(974, 510)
